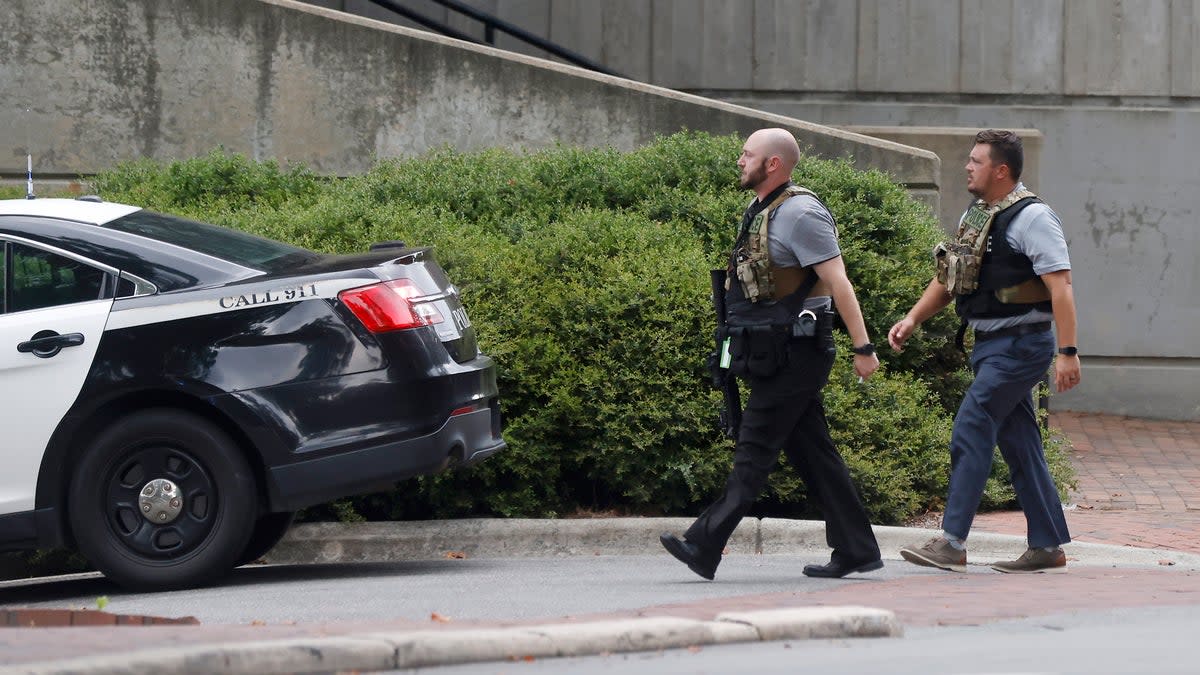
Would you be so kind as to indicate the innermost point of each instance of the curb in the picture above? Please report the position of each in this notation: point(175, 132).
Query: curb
point(502, 538)
point(421, 649)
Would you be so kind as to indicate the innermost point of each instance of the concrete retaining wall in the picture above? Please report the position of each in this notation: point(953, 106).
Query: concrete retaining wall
point(114, 80)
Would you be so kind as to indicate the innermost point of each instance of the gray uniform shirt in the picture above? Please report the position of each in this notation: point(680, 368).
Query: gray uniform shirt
point(801, 234)
point(1037, 233)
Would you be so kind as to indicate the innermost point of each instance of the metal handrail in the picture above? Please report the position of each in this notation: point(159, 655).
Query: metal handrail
point(490, 25)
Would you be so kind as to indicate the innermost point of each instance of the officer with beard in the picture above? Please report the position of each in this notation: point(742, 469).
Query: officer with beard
point(784, 278)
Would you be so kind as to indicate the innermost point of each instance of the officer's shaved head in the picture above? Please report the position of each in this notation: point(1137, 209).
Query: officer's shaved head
point(768, 157)
point(777, 143)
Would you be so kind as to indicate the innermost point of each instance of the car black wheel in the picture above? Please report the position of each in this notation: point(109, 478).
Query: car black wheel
point(162, 499)
point(268, 530)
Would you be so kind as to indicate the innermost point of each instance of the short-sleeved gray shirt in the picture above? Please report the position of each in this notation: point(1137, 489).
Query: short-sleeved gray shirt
point(801, 234)
point(1037, 233)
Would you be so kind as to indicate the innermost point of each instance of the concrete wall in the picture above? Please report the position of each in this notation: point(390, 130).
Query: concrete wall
point(1113, 86)
point(115, 80)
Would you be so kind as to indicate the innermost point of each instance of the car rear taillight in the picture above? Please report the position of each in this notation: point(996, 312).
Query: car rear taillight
point(388, 306)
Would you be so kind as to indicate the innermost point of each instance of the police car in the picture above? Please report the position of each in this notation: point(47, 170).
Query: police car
point(171, 392)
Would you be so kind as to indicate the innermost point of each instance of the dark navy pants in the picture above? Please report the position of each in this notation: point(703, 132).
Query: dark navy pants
point(785, 412)
point(998, 410)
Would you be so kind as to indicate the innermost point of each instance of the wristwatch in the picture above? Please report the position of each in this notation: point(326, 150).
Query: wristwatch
point(1068, 351)
point(865, 350)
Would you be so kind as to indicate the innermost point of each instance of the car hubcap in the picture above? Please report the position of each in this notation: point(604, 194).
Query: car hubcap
point(160, 501)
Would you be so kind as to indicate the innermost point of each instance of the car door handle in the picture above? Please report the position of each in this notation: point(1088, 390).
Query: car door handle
point(47, 343)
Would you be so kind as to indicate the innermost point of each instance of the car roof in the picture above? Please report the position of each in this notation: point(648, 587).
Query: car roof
point(79, 227)
point(94, 213)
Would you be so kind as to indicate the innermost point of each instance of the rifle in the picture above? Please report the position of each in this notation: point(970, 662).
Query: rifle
point(731, 411)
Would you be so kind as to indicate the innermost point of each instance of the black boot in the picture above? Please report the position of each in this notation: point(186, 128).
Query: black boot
point(836, 570)
point(698, 561)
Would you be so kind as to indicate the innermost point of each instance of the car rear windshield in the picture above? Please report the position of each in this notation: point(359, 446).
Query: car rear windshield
point(237, 247)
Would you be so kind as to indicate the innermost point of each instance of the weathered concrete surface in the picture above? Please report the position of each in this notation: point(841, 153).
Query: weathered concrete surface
point(115, 80)
point(1057, 47)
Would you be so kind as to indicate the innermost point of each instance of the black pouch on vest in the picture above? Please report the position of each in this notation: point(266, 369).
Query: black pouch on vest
point(758, 351)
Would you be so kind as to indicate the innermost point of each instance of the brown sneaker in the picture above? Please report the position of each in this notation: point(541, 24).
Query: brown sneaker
point(1034, 561)
point(936, 552)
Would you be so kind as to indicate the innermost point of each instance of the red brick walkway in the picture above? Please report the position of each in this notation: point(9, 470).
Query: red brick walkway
point(1138, 483)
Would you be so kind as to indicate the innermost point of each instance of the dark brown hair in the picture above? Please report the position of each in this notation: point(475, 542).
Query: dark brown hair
point(1006, 149)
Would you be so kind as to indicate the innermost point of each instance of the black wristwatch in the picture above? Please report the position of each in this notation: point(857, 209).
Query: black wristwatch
point(865, 350)
point(1068, 351)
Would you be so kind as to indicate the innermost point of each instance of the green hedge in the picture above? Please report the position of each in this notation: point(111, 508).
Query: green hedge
point(585, 273)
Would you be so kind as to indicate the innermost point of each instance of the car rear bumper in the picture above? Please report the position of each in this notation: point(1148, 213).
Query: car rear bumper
point(464, 439)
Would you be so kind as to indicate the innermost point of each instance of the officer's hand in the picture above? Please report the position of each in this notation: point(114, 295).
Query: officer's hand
point(864, 365)
point(1066, 372)
point(900, 333)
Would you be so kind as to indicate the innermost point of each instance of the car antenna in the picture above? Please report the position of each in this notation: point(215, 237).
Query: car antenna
point(29, 176)
point(28, 158)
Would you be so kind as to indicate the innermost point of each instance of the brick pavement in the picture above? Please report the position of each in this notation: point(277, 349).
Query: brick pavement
point(1138, 483)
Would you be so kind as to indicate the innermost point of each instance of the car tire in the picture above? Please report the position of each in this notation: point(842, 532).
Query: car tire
point(268, 530)
point(162, 499)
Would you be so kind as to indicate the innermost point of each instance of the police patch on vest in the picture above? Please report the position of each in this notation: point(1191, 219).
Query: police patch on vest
point(977, 217)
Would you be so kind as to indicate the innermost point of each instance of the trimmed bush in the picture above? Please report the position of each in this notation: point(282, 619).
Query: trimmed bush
point(585, 273)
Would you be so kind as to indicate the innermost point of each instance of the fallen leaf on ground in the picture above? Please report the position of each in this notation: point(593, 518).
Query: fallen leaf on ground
point(439, 618)
point(456, 555)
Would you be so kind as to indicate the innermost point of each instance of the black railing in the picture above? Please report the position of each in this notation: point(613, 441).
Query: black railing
point(491, 24)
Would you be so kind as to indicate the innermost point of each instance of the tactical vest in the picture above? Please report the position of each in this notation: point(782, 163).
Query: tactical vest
point(988, 277)
point(754, 283)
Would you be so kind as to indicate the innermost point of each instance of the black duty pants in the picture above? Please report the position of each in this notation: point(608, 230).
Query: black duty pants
point(785, 412)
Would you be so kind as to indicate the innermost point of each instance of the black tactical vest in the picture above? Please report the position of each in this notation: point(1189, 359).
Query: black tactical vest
point(1002, 267)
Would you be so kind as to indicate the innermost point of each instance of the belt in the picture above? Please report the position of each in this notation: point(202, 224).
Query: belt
point(1021, 329)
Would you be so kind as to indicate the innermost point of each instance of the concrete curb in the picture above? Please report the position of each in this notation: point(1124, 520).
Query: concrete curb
point(421, 649)
point(499, 537)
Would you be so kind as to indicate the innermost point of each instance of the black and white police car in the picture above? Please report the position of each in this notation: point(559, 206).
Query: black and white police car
point(171, 392)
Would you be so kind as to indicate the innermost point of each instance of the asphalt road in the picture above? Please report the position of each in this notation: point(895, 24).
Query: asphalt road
point(485, 589)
